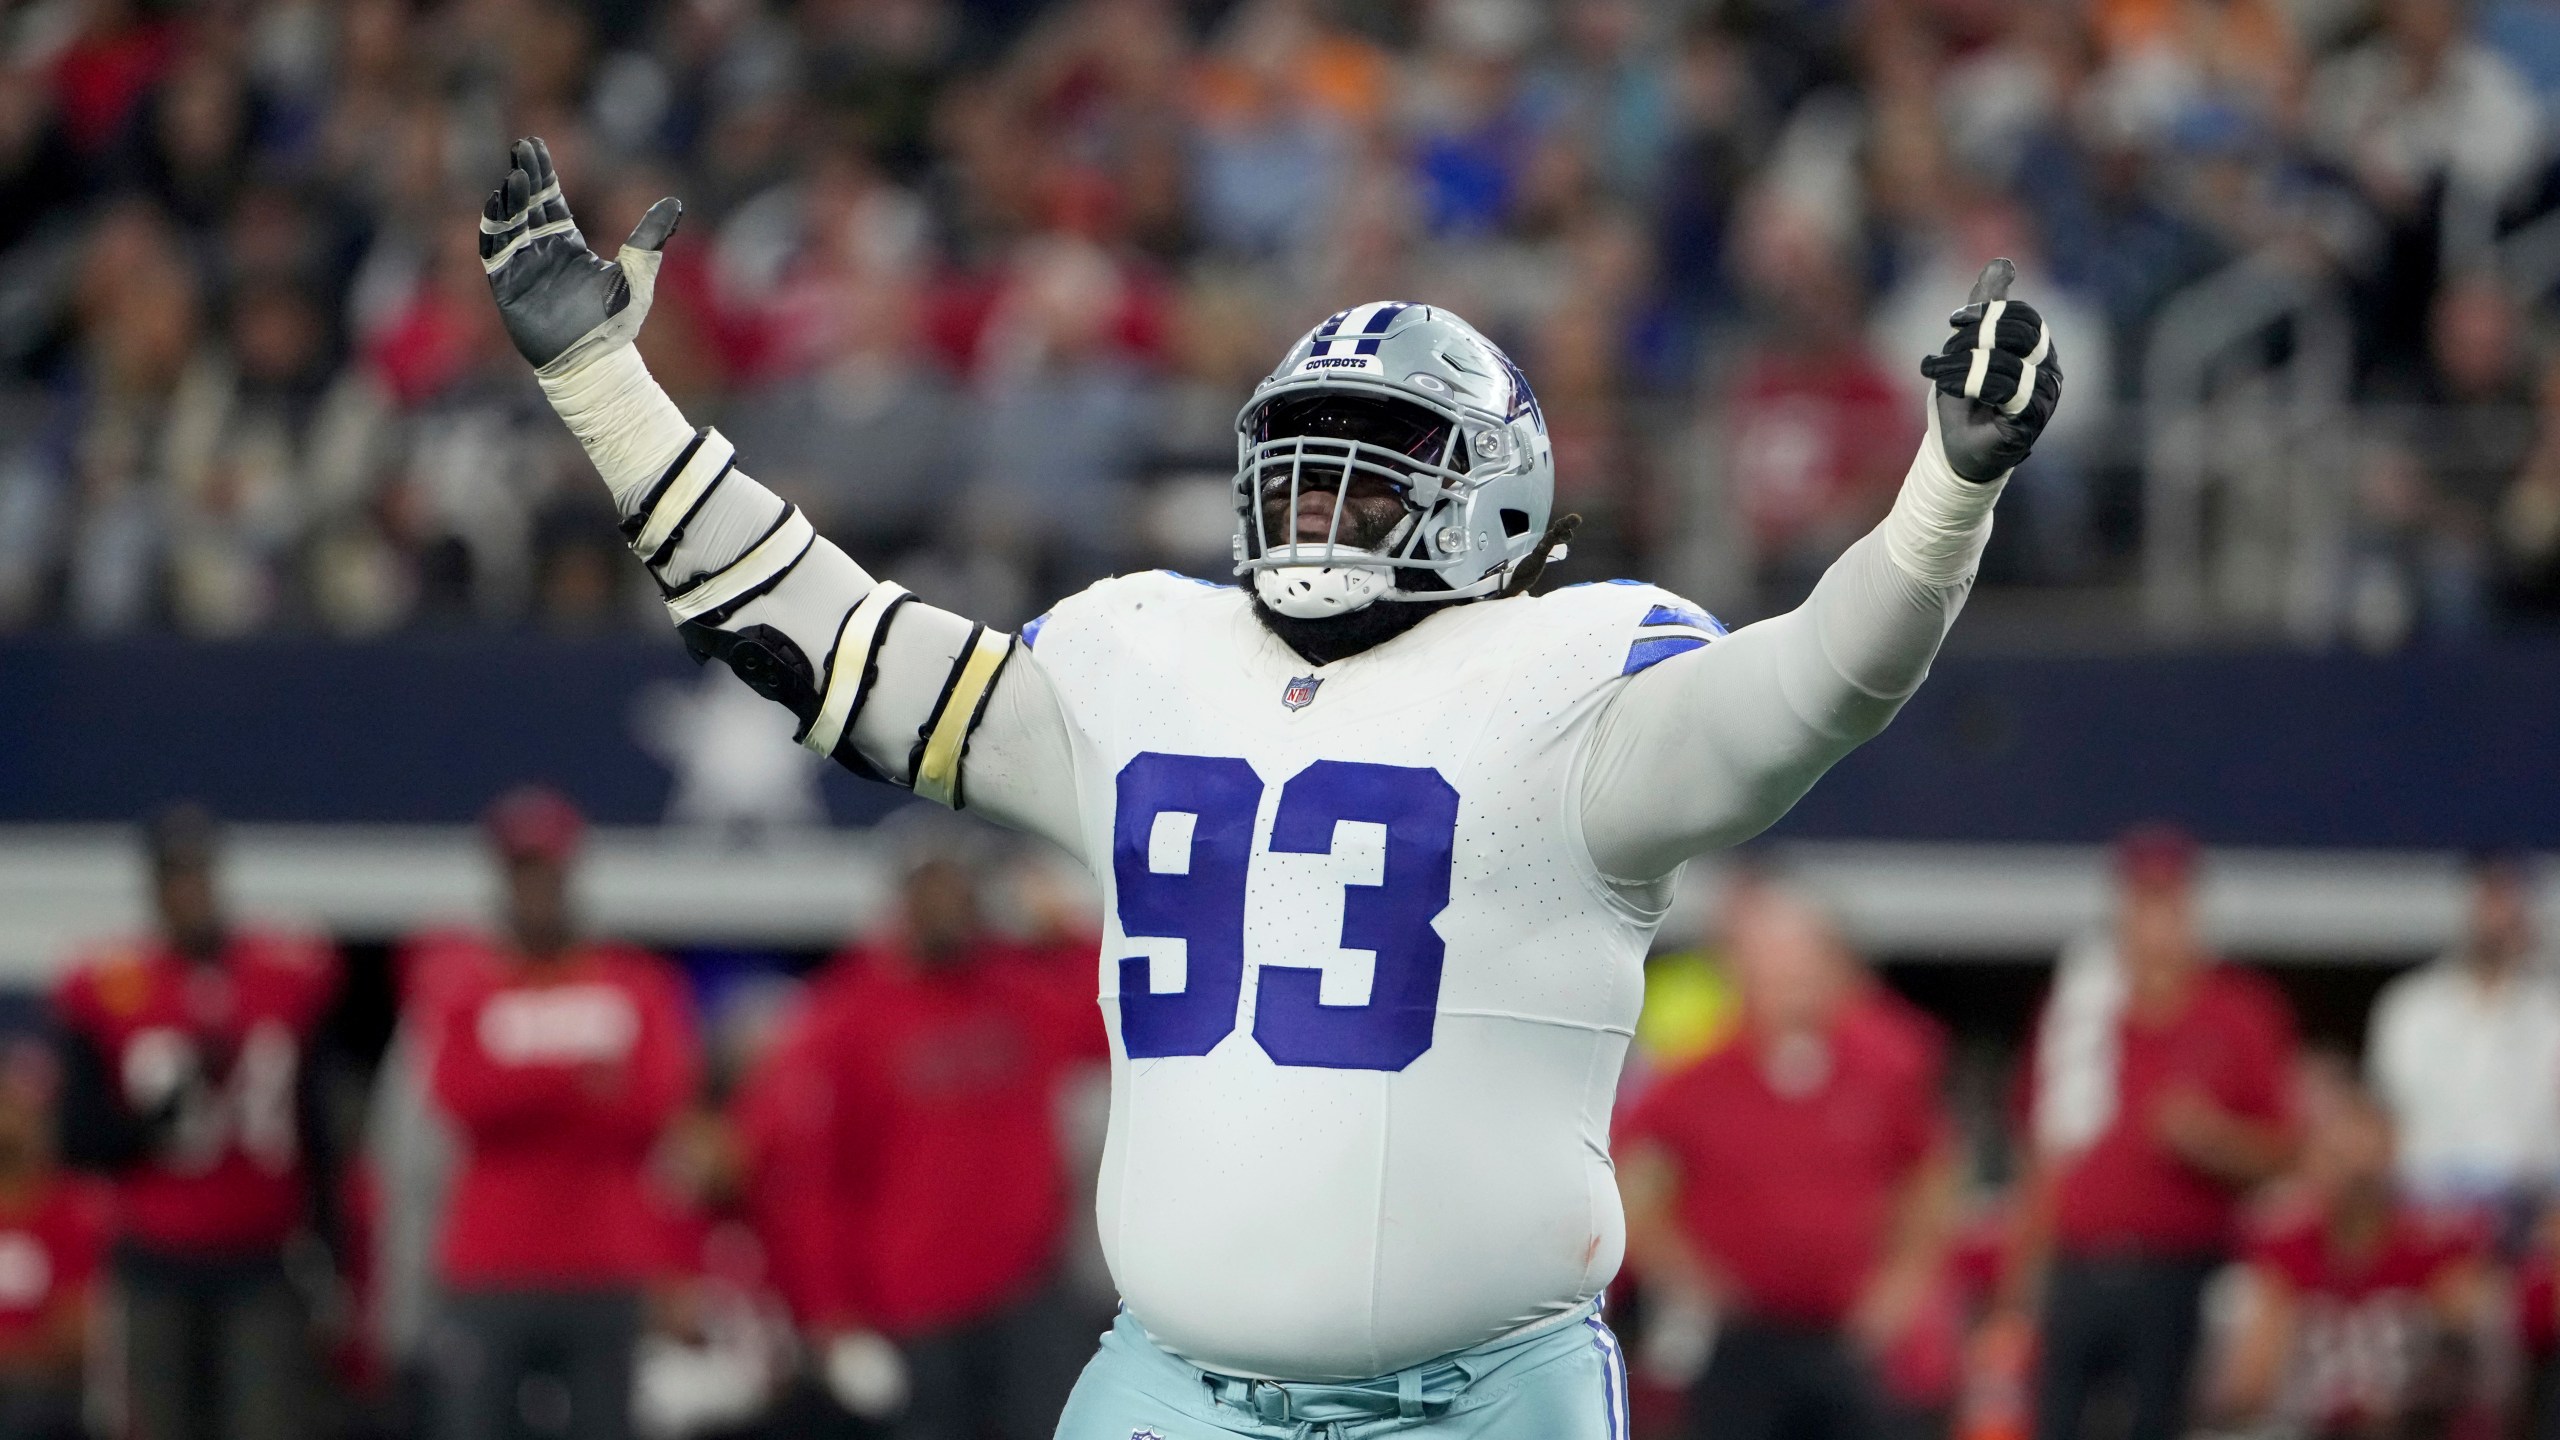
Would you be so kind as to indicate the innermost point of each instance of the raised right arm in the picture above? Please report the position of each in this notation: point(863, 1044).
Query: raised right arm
point(889, 686)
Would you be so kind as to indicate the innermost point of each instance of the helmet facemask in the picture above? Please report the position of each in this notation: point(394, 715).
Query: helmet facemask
point(1311, 551)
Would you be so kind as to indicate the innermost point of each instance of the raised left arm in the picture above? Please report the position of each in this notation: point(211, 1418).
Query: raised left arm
point(898, 691)
point(1709, 748)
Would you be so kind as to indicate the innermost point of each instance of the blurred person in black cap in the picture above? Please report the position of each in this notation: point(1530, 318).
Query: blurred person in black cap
point(189, 1079)
point(53, 1237)
point(2158, 1095)
point(560, 1061)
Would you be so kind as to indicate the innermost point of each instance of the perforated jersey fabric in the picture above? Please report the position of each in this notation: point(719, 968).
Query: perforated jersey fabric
point(1347, 1215)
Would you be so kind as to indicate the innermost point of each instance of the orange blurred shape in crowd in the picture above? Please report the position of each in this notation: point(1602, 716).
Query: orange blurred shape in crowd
point(1997, 1402)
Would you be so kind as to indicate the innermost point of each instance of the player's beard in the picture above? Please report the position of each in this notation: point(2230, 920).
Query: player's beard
point(1325, 639)
point(1321, 640)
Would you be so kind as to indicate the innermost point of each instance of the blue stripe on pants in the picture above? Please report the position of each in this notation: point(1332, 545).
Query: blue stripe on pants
point(1613, 1377)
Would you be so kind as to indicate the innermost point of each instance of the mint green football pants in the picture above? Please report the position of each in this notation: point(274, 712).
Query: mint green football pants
point(1564, 1382)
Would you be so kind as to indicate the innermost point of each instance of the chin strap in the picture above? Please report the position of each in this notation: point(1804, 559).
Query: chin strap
point(1534, 564)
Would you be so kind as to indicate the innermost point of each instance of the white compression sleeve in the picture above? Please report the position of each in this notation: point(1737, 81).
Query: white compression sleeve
point(626, 422)
point(1709, 748)
point(1940, 521)
point(1022, 763)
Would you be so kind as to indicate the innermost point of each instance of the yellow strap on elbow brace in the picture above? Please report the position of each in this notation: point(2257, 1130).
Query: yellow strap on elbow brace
point(857, 648)
point(937, 776)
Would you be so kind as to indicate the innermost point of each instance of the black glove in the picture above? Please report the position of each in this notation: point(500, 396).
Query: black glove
point(561, 303)
point(1988, 415)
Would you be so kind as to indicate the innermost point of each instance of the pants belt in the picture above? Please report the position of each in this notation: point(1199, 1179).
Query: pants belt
point(1413, 1394)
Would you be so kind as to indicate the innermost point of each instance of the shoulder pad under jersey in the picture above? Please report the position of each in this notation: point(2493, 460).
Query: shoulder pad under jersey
point(1638, 624)
point(1148, 598)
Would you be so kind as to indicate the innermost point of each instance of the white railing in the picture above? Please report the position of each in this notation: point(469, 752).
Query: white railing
point(2246, 452)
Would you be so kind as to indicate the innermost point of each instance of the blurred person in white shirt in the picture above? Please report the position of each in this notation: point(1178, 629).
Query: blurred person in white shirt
point(2466, 1053)
point(2060, 513)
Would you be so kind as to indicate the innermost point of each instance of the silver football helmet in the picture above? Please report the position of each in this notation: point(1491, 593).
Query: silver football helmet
point(1415, 397)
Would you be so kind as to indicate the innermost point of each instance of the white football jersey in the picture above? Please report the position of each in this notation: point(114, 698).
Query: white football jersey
point(1368, 995)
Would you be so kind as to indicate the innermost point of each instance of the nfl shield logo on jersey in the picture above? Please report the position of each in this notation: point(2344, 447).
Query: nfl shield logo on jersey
point(1146, 1434)
point(1301, 692)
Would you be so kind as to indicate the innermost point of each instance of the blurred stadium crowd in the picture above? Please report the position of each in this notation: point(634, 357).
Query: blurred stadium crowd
point(980, 283)
point(569, 1187)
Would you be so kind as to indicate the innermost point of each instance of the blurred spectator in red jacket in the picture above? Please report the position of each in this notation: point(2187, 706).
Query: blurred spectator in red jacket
point(1800, 1181)
point(2359, 1312)
point(2158, 1096)
point(53, 1238)
point(189, 1078)
point(560, 1062)
point(903, 1142)
point(1818, 427)
point(120, 50)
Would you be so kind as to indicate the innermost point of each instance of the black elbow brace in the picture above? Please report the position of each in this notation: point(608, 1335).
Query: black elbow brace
point(769, 661)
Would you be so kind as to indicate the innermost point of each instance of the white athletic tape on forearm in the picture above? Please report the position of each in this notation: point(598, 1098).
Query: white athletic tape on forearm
point(2027, 371)
point(628, 426)
point(758, 568)
point(857, 649)
point(1940, 521)
point(946, 736)
point(706, 467)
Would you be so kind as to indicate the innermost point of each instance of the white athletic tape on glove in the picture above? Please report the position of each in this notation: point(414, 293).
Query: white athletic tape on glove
point(2026, 392)
point(639, 265)
point(1983, 345)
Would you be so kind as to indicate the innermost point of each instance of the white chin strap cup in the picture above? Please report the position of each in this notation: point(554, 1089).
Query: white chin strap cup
point(1312, 592)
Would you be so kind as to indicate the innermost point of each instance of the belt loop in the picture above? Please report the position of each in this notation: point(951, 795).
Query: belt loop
point(1271, 1402)
point(1409, 1393)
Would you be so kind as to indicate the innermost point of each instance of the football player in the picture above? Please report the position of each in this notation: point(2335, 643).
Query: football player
point(1382, 838)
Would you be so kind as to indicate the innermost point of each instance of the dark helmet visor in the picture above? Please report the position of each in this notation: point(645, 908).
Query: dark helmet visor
point(1406, 429)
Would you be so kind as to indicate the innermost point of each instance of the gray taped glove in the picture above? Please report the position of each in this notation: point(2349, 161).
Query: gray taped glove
point(1998, 379)
point(561, 303)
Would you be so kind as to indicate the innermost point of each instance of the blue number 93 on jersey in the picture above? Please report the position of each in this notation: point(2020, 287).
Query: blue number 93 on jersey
point(1203, 904)
point(1368, 994)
